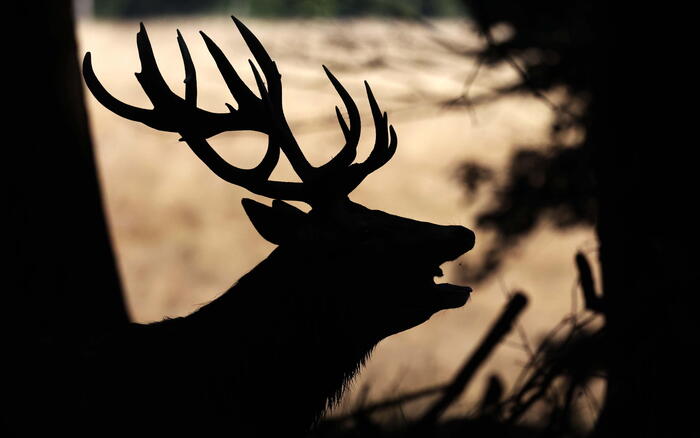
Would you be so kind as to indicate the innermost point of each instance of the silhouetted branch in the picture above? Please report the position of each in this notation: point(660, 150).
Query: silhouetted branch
point(592, 300)
point(500, 328)
point(557, 374)
point(452, 390)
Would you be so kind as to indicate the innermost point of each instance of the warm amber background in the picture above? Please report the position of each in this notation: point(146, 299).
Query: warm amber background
point(180, 232)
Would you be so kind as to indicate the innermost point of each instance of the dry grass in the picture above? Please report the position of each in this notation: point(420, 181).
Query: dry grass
point(180, 232)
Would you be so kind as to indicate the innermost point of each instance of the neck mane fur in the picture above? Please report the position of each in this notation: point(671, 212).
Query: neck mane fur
point(282, 337)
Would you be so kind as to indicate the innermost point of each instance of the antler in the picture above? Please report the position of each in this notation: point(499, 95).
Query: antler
point(335, 179)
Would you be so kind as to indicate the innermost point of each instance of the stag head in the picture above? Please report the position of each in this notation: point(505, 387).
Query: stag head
point(386, 261)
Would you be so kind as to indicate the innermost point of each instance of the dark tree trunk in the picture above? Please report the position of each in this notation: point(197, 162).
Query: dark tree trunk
point(66, 286)
point(645, 233)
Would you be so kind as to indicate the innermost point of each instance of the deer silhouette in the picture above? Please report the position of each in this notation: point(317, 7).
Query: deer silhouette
point(279, 347)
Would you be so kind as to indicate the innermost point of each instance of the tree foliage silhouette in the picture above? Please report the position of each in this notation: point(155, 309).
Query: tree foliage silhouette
point(552, 48)
point(631, 193)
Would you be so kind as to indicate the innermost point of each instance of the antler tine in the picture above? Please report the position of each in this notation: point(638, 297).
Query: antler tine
point(267, 65)
point(149, 77)
point(384, 148)
point(274, 86)
point(352, 134)
point(256, 111)
point(190, 72)
point(170, 112)
point(248, 103)
point(110, 102)
point(250, 108)
point(256, 179)
point(264, 94)
point(252, 179)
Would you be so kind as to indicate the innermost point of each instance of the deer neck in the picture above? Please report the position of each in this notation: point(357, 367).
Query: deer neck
point(290, 322)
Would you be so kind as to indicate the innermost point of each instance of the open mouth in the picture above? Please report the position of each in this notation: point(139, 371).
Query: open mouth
point(446, 295)
point(455, 242)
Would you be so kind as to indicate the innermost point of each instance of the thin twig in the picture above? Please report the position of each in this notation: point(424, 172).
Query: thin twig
point(527, 81)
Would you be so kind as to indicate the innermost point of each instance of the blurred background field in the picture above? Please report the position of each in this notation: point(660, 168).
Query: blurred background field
point(181, 235)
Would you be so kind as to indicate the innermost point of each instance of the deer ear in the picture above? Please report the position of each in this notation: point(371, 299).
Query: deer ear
point(277, 224)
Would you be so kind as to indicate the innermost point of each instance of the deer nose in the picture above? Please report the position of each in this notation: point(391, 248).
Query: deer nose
point(461, 239)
